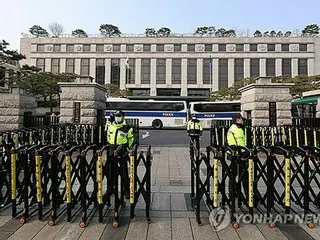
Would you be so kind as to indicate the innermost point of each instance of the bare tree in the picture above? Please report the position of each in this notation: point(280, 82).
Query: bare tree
point(56, 29)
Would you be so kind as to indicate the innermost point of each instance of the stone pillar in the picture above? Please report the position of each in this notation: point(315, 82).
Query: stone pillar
point(267, 103)
point(153, 80)
point(230, 72)
point(199, 71)
point(169, 71)
point(13, 105)
point(82, 101)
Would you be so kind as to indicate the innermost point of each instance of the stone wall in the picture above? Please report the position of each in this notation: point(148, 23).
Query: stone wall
point(256, 99)
point(13, 105)
point(91, 97)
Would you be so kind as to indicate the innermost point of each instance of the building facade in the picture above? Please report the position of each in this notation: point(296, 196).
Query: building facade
point(173, 66)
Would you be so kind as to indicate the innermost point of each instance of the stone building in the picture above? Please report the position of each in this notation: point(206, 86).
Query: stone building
point(176, 65)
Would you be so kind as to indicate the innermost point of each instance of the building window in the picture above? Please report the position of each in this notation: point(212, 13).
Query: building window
point(208, 47)
point(206, 65)
point(160, 47)
point(303, 66)
point(145, 71)
point(55, 65)
point(192, 71)
point(223, 73)
point(199, 92)
point(116, 47)
point(161, 71)
point(191, 47)
point(177, 47)
point(253, 47)
point(131, 71)
point(40, 48)
point(100, 71)
point(86, 48)
point(70, 48)
point(176, 71)
point(130, 47)
point(41, 64)
point(56, 47)
point(70, 65)
point(286, 67)
point(271, 67)
point(147, 47)
point(115, 72)
point(168, 92)
point(85, 67)
point(99, 48)
point(271, 47)
point(238, 69)
point(303, 47)
point(254, 67)
point(222, 47)
point(239, 47)
point(285, 47)
point(141, 92)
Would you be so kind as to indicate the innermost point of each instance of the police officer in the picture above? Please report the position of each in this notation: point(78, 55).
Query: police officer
point(236, 135)
point(236, 138)
point(120, 137)
point(194, 129)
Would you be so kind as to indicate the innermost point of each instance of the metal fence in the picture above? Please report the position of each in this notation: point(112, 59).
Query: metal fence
point(270, 181)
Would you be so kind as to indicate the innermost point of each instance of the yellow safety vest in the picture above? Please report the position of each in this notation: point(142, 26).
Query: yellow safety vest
point(236, 136)
point(194, 127)
point(120, 134)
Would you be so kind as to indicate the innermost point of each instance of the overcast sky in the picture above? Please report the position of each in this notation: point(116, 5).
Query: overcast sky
point(133, 16)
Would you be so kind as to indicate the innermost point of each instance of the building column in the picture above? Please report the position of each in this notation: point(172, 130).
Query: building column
point(153, 80)
point(122, 73)
point(246, 68)
point(200, 71)
point(263, 69)
point(184, 86)
point(311, 67)
point(278, 67)
point(294, 67)
point(169, 71)
point(77, 66)
point(215, 75)
point(63, 62)
point(107, 76)
point(137, 77)
point(230, 72)
point(47, 65)
point(92, 71)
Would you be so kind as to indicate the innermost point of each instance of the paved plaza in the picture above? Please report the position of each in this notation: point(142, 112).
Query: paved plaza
point(171, 214)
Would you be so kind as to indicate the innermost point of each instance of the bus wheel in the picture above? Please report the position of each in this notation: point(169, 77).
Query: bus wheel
point(157, 124)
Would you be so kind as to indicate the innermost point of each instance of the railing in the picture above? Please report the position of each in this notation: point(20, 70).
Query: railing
point(307, 122)
point(39, 120)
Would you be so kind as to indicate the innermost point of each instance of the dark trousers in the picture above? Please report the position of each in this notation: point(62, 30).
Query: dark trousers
point(195, 140)
point(121, 162)
point(240, 172)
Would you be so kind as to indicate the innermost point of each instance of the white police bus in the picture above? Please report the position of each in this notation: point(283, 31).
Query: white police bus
point(151, 113)
point(222, 110)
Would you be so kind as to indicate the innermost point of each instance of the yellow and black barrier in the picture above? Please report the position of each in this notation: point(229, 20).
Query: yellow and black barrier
point(270, 180)
point(52, 180)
